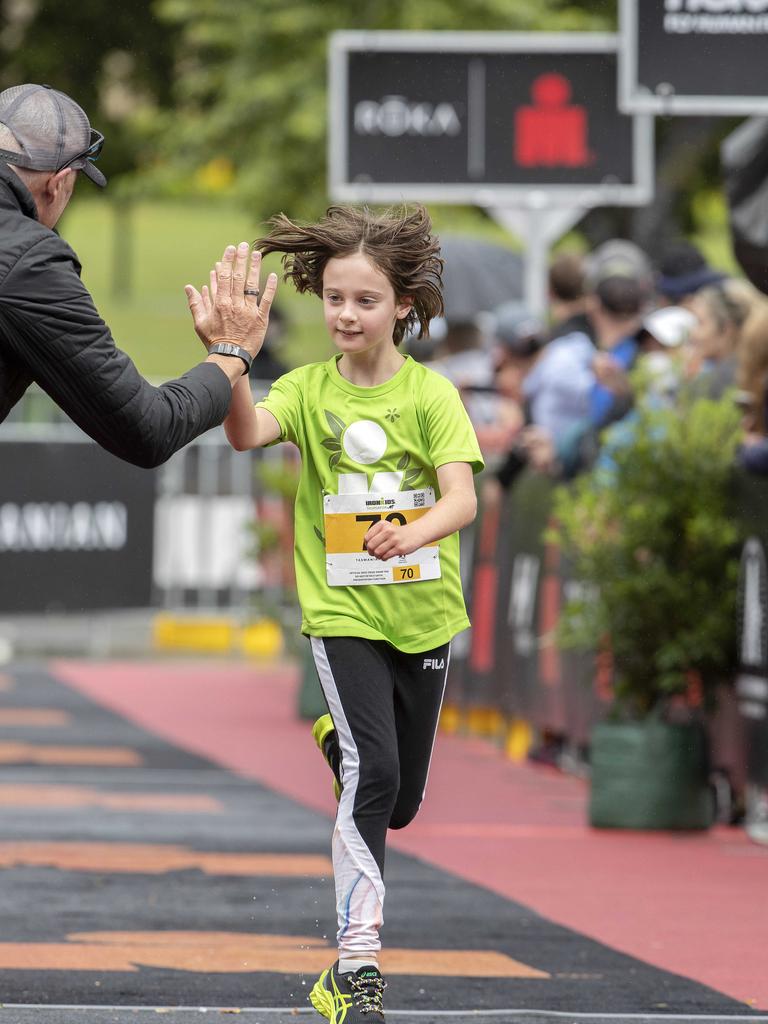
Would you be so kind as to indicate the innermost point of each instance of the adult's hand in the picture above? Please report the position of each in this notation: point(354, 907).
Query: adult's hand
point(228, 309)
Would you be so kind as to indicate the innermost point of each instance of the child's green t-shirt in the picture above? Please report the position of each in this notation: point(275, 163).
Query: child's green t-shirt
point(365, 442)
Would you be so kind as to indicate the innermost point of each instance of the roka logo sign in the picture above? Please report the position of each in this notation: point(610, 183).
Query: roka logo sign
point(395, 116)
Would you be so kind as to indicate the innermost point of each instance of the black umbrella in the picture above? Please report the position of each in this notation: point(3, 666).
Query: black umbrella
point(478, 277)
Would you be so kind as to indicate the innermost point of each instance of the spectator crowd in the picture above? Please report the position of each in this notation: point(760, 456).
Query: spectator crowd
point(555, 394)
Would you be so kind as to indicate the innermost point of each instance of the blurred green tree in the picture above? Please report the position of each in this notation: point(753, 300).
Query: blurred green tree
point(116, 60)
point(251, 76)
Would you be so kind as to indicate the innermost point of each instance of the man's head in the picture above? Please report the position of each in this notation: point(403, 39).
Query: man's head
point(566, 278)
point(619, 283)
point(46, 138)
point(683, 272)
point(519, 340)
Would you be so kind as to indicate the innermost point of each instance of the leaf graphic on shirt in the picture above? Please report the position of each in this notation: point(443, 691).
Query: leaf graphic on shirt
point(331, 444)
point(411, 477)
point(337, 426)
point(334, 460)
point(403, 463)
point(319, 536)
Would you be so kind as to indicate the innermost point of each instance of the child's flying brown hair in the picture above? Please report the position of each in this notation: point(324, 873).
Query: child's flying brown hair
point(398, 242)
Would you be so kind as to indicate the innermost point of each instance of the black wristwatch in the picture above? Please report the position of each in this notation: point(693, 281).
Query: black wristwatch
point(228, 348)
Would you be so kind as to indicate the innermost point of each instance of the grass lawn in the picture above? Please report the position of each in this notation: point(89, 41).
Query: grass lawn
point(167, 246)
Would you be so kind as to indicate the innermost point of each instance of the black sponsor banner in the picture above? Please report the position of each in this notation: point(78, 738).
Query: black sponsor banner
point(694, 56)
point(76, 529)
point(449, 119)
point(752, 638)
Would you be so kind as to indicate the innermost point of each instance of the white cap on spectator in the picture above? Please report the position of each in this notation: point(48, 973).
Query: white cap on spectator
point(617, 258)
point(670, 325)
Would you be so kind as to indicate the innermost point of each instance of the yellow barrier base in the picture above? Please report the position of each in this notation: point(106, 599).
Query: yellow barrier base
point(519, 740)
point(514, 735)
point(483, 721)
point(217, 635)
point(450, 718)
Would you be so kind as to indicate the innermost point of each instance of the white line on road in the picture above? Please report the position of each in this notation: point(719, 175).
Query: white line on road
point(727, 1018)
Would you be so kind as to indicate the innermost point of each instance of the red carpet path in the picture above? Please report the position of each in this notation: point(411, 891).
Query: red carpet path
point(695, 904)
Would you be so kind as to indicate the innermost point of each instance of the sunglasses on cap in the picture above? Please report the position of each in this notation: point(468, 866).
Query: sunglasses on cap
point(91, 153)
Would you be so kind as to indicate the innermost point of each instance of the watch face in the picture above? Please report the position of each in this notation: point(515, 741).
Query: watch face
point(227, 348)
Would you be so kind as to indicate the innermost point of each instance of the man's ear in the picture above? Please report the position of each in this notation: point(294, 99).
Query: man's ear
point(404, 307)
point(56, 182)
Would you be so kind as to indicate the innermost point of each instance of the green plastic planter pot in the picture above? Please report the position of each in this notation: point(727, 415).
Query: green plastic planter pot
point(649, 775)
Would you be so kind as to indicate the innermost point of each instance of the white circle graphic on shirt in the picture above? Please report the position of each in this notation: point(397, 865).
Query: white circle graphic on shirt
point(364, 441)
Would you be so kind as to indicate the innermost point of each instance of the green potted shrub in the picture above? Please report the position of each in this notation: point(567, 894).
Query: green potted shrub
point(652, 536)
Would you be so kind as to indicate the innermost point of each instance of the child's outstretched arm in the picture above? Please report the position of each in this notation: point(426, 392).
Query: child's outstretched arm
point(456, 507)
point(246, 426)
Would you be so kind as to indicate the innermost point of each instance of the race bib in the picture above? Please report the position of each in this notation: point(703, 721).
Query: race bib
point(348, 517)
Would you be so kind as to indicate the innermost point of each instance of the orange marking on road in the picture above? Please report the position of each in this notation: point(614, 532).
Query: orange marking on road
point(82, 796)
point(30, 753)
point(238, 953)
point(150, 859)
point(41, 717)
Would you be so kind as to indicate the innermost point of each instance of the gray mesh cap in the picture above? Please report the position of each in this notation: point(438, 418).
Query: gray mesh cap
point(51, 129)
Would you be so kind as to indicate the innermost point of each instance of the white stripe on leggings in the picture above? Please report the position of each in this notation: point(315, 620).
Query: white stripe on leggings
point(437, 725)
point(359, 885)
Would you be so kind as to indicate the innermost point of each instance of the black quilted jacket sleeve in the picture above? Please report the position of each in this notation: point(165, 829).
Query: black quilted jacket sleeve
point(51, 333)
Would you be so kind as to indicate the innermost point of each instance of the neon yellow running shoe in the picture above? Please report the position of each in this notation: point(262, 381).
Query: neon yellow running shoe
point(350, 998)
point(324, 733)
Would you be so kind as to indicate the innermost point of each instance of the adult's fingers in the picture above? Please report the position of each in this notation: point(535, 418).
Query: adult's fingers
point(269, 293)
point(238, 273)
point(194, 301)
point(224, 269)
point(252, 281)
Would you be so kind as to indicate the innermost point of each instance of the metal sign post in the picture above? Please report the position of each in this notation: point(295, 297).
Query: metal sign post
point(524, 125)
point(538, 225)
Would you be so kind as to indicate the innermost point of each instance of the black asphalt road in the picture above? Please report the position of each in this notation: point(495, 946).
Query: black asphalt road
point(174, 924)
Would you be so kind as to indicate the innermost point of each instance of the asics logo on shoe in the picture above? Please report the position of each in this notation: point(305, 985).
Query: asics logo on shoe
point(434, 663)
point(342, 1002)
point(352, 999)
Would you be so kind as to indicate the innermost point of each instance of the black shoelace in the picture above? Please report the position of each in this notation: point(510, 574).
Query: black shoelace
point(368, 992)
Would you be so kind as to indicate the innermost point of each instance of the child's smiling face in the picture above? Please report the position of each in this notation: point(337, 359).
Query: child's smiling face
point(359, 304)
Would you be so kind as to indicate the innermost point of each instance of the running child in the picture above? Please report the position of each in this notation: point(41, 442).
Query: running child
point(388, 454)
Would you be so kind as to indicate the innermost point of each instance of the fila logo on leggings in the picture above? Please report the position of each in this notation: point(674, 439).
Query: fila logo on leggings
point(434, 663)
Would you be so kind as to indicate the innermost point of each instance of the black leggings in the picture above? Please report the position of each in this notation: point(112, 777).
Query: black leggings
point(391, 702)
